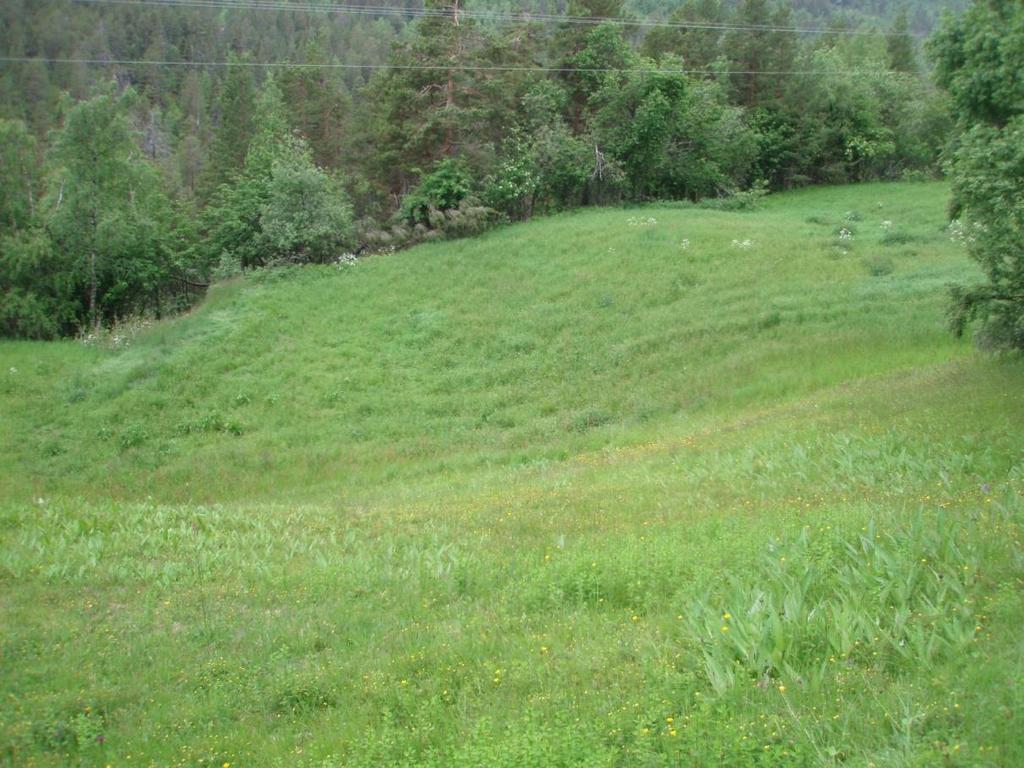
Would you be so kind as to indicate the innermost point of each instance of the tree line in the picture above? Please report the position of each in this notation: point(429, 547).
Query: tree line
point(127, 186)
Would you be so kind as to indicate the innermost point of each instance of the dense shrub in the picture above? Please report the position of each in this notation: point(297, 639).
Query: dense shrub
point(305, 216)
point(443, 189)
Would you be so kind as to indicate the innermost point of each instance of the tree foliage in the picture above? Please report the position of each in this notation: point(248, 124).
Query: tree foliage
point(281, 206)
point(235, 127)
point(675, 138)
point(157, 176)
point(900, 46)
point(101, 245)
point(19, 179)
point(980, 60)
point(443, 189)
point(107, 211)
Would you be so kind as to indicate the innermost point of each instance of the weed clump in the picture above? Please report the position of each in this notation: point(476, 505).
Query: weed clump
point(879, 266)
point(883, 601)
point(748, 200)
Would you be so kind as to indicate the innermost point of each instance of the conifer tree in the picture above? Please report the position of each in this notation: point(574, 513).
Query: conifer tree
point(757, 56)
point(235, 127)
point(567, 45)
point(900, 46)
point(698, 47)
point(318, 104)
point(429, 106)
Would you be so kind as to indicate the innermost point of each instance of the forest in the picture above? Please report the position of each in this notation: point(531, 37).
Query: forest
point(238, 135)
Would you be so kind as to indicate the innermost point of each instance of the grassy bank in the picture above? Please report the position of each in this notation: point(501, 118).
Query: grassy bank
point(651, 487)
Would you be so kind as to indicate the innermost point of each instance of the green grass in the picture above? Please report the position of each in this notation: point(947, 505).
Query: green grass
point(570, 493)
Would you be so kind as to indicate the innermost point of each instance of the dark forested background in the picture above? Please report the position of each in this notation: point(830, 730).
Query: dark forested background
point(922, 14)
point(280, 131)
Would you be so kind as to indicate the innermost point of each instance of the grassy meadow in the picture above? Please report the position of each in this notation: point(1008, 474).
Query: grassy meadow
point(666, 486)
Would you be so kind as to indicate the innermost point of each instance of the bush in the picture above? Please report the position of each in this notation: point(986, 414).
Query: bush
point(441, 190)
point(306, 217)
point(747, 200)
point(469, 219)
point(26, 316)
point(880, 600)
point(566, 170)
point(512, 188)
point(37, 296)
point(879, 266)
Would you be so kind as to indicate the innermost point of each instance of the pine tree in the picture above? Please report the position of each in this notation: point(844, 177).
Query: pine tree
point(39, 96)
point(318, 104)
point(235, 128)
point(190, 160)
point(697, 47)
point(567, 45)
point(757, 55)
point(900, 46)
point(428, 107)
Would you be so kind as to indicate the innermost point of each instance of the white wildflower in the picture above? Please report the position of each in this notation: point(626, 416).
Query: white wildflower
point(964, 233)
point(640, 221)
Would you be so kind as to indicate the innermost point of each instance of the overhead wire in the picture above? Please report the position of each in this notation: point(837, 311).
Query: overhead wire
point(304, 6)
point(432, 67)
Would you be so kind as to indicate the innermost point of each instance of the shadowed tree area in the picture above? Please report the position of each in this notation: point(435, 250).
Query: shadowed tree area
point(425, 122)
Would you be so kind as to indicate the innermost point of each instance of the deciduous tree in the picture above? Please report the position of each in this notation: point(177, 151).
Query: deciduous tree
point(980, 60)
point(107, 211)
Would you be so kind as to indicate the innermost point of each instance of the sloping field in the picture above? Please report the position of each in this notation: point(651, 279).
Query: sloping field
point(651, 487)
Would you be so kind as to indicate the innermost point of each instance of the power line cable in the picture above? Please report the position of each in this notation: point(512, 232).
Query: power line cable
point(483, 15)
point(431, 67)
point(330, 8)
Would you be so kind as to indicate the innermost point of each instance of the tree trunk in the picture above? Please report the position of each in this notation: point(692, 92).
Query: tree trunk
point(31, 201)
point(449, 104)
point(94, 319)
point(449, 95)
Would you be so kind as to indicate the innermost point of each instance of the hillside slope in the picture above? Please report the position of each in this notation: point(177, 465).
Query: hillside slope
point(650, 487)
point(529, 344)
